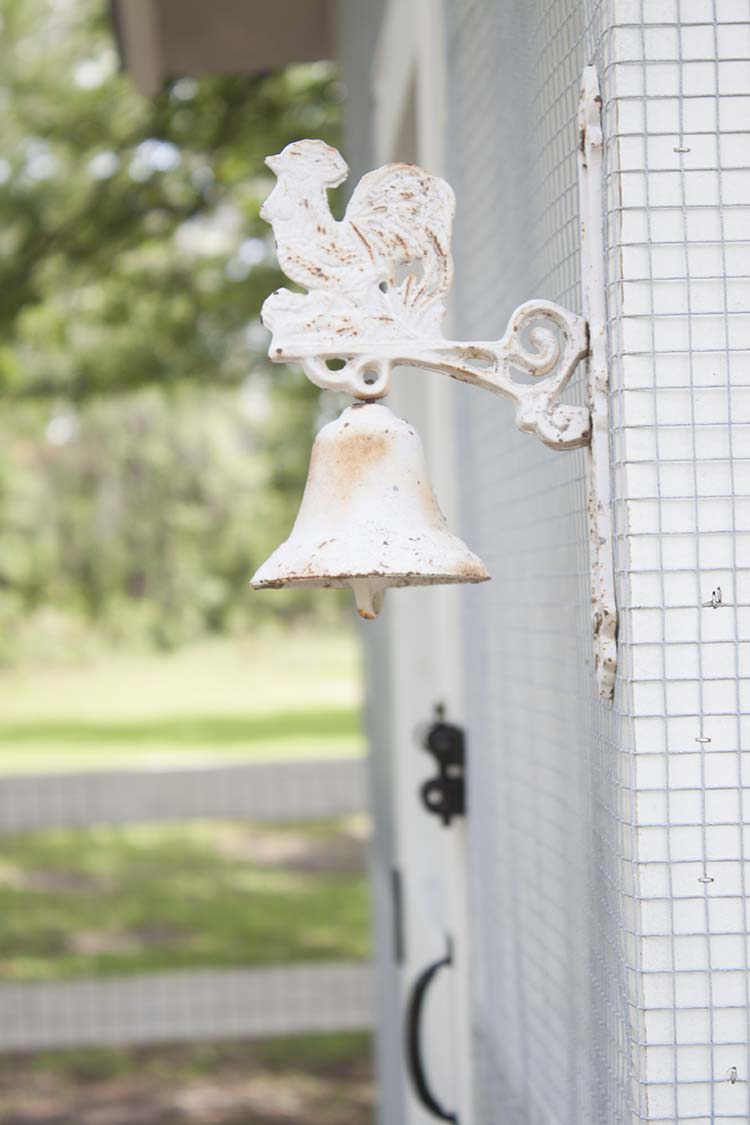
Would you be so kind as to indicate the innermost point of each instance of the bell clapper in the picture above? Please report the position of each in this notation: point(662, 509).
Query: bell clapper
point(368, 594)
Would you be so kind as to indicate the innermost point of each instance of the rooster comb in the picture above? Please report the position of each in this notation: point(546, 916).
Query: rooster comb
point(315, 157)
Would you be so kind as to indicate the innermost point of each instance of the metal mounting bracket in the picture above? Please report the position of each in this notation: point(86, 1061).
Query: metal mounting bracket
point(376, 284)
point(599, 500)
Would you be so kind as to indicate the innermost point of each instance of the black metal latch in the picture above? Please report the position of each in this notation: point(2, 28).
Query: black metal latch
point(445, 795)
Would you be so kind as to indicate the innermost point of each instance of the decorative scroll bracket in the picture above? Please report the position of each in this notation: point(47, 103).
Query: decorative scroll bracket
point(367, 368)
point(593, 260)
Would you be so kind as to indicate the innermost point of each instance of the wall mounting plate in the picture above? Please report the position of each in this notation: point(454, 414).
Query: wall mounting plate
point(593, 284)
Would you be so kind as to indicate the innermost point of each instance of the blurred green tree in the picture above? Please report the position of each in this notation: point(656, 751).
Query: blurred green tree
point(149, 457)
point(131, 248)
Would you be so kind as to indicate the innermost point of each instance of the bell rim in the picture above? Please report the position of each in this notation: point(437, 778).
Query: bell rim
point(341, 581)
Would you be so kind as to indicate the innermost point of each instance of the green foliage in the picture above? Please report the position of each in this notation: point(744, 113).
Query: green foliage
point(137, 490)
point(132, 251)
point(144, 514)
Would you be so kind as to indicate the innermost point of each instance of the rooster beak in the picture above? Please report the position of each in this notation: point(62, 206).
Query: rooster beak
point(273, 163)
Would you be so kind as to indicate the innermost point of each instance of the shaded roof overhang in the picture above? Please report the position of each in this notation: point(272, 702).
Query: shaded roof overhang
point(163, 39)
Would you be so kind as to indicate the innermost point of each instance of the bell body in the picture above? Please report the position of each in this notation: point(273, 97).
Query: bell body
point(369, 518)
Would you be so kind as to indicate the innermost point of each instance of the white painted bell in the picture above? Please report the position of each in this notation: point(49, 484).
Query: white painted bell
point(369, 518)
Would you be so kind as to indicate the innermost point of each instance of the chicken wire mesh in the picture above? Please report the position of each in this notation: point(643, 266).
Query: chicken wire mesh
point(609, 919)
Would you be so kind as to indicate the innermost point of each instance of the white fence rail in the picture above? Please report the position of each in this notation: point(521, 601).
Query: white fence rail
point(269, 791)
point(191, 1004)
point(187, 1005)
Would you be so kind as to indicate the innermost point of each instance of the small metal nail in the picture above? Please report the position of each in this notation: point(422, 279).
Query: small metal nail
point(702, 738)
point(715, 600)
point(680, 148)
point(733, 1074)
point(706, 879)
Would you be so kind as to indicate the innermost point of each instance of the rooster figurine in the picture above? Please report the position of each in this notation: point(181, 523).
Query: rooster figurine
point(383, 271)
point(376, 286)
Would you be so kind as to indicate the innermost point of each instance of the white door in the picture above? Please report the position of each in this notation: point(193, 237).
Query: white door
point(414, 667)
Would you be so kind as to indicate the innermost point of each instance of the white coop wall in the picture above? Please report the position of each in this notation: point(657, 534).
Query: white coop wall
point(609, 906)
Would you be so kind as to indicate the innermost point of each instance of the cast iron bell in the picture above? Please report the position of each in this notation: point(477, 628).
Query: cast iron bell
point(369, 518)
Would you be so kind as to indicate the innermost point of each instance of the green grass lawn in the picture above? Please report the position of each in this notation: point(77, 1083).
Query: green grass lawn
point(144, 897)
point(271, 696)
point(125, 900)
point(315, 1079)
